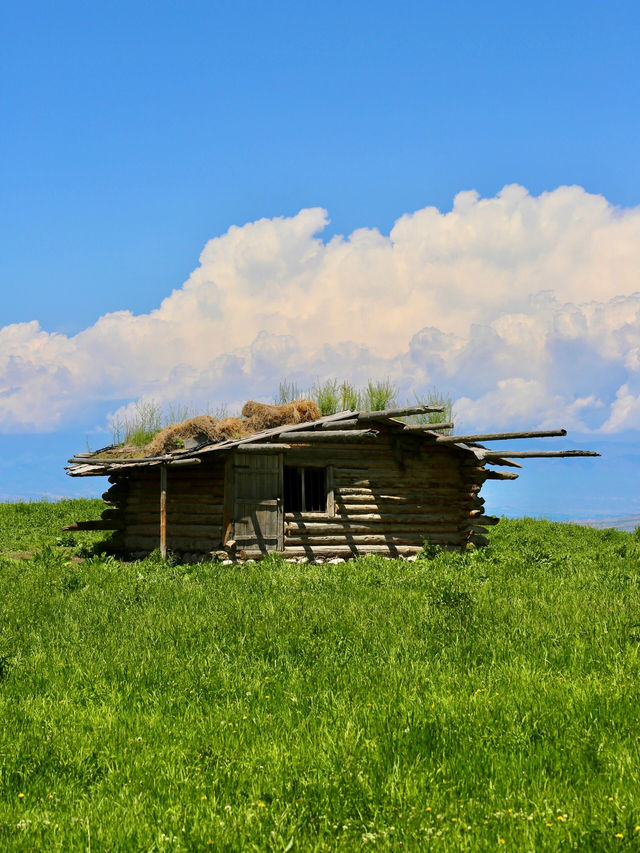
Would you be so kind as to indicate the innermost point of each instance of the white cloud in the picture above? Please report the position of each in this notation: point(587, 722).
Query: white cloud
point(525, 308)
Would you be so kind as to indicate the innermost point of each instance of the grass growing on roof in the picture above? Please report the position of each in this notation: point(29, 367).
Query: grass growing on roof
point(464, 700)
point(138, 428)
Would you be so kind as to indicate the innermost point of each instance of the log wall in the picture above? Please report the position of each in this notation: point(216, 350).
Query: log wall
point(195, 498)
point(390, 495)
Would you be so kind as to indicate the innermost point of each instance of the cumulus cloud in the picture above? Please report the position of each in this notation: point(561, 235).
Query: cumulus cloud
point(524, 308)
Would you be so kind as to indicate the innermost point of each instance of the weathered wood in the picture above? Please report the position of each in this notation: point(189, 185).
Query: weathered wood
point(227, 517)
point(149, 543)
point(261, 448)
point(501, 475)
point(344, 509)
point(419, 428)
point(399, 413)
point(163, 512)
point(109, 460)
point(343, 522)
point(181, 483)
point(175, 520)
point(328, 436)
point(497, 461)
point(331, 491)
point(257, 508)
point(200, 507)
point(344, 456)
point(379, 483)
point(410, 538)
point(398, 500)
point(184, 501)
point(180, 531)
point(498, 436)
point(424, 511)
point(365, 498)
point(349, 551)
point(346, 424)
point(338, 527)
point(180, 493)
point(537, 454)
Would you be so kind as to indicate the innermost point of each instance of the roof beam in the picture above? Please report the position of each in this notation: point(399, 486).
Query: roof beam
point(330, 435)
point(430, 427)
point(499, 436)
point(535, 454)
point(399, 413)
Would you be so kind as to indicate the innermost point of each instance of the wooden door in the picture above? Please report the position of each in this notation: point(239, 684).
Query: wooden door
point(258, 520)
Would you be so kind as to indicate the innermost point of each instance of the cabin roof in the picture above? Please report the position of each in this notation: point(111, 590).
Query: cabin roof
point(91, 464)
point(97, 464)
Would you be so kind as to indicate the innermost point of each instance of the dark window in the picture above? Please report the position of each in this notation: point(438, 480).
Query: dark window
point(304, 489)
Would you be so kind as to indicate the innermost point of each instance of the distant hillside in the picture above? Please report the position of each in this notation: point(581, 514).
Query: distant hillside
point(620, 522)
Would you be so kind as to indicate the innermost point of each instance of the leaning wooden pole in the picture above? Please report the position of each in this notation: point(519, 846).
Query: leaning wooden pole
point(398, 413)
point(163, 512)
point(498, 436)
point(535, 454)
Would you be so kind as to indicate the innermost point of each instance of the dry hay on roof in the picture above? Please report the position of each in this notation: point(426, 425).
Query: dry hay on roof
point(205, 429)
point(262, 416)
point(208, 430)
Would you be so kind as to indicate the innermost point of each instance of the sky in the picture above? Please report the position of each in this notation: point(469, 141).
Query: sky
point(201, 199)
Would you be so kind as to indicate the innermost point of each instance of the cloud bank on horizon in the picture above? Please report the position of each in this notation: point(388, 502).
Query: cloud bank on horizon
point(525, 309)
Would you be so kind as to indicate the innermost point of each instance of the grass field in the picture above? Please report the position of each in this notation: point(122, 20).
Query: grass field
point(464, 702)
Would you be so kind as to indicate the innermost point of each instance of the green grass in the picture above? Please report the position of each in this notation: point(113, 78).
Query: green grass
point(454, 703)
point(30, 525)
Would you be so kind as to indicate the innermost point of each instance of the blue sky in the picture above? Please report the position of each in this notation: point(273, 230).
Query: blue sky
point(135, 133)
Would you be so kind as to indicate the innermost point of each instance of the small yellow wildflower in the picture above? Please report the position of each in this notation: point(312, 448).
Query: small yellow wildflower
point(454, 819)
point(262, 806)
point(20, 795)
point(610, 799)
point(559, 817)
point(502, 841)
point(203, 797)
point(428, 808)
point(619, 835)
point(245, 717)
point(548, 824)
point(638, 828)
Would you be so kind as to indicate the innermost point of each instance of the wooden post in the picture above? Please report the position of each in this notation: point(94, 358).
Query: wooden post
point(163, 512)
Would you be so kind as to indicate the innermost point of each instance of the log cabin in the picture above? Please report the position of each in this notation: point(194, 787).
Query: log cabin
point(343, 485)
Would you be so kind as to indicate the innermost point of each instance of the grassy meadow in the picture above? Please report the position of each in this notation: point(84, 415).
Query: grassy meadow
point(479, 701)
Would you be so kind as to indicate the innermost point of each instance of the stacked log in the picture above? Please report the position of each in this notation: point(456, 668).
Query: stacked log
point(195, 499)
point(391, 494)
point(473, 522)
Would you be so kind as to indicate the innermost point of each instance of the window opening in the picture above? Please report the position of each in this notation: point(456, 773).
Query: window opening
point(304, 489)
